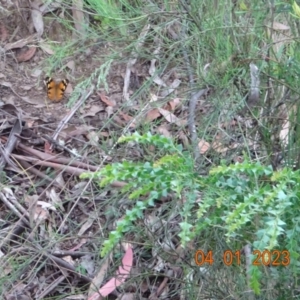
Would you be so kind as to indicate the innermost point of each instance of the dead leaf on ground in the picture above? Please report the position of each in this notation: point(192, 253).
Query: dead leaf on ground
point(280, 26)
point(46, 205)
point(78, 17)
point(40, 214)
point(86, 225)
point(72, 131)
point(182, 136)
point(82, 242)
point(26, 54)
point(203, 146)
point(69, 89)
point(88, 263)
point(47, 48)
point(171, 118)
point(109, 110)
point(284, 132)
point(93, 111)
point(163, 130)
point(121, 275)
point(98, 279)
point(126, 117)
point(47, 148)
point(119, 121)
point(20, 43)
point(37, 102)
point(153, 98)
point(36, 73)
point(26, 87)
point(37, 19)
point(152, 69)
point(69, 259)
point(6, 84)
point(104, 99)
point(54, 198)
point(170, 89)
point(219, 147)
point(93, 138)
point(104, 133)
point(152, 115)
point(71, 65)
point(174, 103)
point(3, 32)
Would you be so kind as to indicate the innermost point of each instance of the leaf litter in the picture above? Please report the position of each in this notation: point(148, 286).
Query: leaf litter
point(46, 146)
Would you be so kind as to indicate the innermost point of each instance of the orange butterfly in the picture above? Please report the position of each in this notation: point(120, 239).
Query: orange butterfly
point(56, 90)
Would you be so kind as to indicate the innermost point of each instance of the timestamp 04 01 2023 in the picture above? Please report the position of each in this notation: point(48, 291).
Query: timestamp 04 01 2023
point(267, 258)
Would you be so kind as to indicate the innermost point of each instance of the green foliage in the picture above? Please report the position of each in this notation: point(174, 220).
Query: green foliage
point(248, 192)
point(107, 12)
point(254, 204)
point(247, 200)
point(149, 181)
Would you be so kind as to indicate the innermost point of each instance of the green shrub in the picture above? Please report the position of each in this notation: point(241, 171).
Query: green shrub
point(247, 200)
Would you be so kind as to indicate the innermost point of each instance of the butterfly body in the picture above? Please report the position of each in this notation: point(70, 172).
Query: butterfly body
point(56, 90)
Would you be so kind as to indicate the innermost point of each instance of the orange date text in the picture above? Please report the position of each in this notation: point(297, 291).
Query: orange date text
point(265, 258)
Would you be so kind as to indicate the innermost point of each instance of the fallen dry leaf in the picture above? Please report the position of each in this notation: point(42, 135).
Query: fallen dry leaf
point(54, 198)
point(119, 121)
point(26, 55)
point(40, 214)
point(69, 89)
point(26, 87)
point(94, 109)
point(71, 65)
point(182, 136)
point(104, 133)
point(109, 110)
point(88, 264)
point(219, 147)
point(171, 88)
point(20, 43)
point(163, 130)
point(98, 279)
point(126, 117)
point(78, 16)
point(37, 19)
point(47, 147)
point(120, 277)
point(46, 205)
point(82, 242)
point(69, 260)
point(280, 26)
point(3, 32)
point(37, 102)
point(36, 72)
point(171, 118)
point(152, 115)
point(93, 138)
point(104, 99)
point(174, 103)
point(47, 48)
point(86, 225)
point(152, 69)
point(203, 146)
